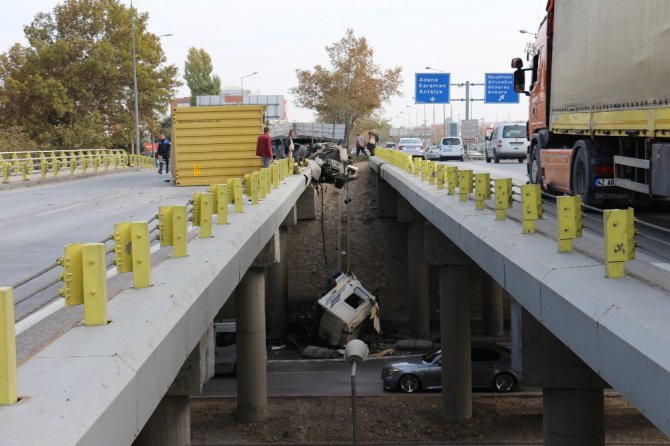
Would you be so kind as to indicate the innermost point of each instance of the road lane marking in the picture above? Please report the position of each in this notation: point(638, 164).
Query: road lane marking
point(665, 266)
point(59, 209)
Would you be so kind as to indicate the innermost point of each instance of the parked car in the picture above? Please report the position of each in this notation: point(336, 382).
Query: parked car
point(491, 368)
point(507, 141)
point(451, 147)
point(412, 146)
point(225, 354)
point(389, 145)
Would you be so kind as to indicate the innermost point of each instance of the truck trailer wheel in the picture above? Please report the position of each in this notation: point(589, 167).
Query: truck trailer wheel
point(582, 172)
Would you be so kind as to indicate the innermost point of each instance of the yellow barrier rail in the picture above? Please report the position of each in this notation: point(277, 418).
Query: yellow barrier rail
point(41, 163)
point(618, 224)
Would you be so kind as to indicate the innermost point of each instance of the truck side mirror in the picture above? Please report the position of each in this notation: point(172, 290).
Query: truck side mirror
point(520, 82)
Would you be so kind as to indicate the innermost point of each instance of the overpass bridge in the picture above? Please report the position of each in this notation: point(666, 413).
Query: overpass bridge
point(574, 330)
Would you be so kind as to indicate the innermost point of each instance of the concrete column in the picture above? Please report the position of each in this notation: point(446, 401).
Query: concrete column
point(252, 403)
point(387, 199)
point(492, 306)
point(276, 303)
point(455, 334)
point(417, 281)
point(169, 425)
point(573, 417)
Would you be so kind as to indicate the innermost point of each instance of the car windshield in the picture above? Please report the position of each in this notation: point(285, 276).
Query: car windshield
point(430, 357)
point(451, 142)
point(410, 141)
point(514, 131)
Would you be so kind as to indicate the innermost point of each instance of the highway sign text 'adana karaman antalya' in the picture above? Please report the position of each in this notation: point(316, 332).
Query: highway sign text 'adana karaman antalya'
point(432, 88)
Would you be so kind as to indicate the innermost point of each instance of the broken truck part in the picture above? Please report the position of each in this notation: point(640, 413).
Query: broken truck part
point(346, 306)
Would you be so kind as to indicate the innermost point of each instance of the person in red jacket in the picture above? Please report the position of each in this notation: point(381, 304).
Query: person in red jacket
point(264, 147)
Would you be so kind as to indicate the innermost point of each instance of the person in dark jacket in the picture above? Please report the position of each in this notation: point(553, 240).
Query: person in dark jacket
point(164, 152)
point(264, 147)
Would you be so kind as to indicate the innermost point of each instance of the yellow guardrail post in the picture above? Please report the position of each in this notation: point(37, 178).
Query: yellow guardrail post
point(24, 169)
point(254, 187)
point(196, 208)
point(487, 180)
point(531, 206)
point(94, 283)
point(5, 171)
point(432, 173)
point(132, 251)
point(424, 170)
point(84, 161)
point(567, 209)
point(441, 170)
point(503, 197)
point(237, 195)
point(291, 166)
point(56, 164)
point(73, 162)
point(8, 393)
point(452, 179)
point(139, 231)
point(465, 184)
point(172, 223)
point(275, 176)
point(44, 165)
point(480, 190)
point(72, 276)
point(619, 229)
point(261, 184)
point(221, 204)
point(206, 207)
point(96, 162)
point(416, 167)
point(268, 180)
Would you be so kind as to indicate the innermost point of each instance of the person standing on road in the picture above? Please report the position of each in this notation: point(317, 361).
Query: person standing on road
point(163, 151)
point(372, 143)
point(360, 144)
point(264, 147)
point(290, 146)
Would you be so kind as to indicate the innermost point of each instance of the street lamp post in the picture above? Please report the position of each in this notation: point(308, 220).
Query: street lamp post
point(523, 31)
point(137, 110)
point(416, 116)
point(408, 121)
point(355, 352)
point(242, 84)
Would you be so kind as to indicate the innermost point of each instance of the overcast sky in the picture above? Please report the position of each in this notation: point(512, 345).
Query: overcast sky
point(467, 38)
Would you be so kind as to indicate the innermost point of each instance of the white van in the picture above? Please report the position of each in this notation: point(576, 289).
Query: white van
point(225, 355)
point(451, 147)
point(507, 141)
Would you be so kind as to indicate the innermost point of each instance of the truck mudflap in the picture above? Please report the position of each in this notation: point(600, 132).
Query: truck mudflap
point(346, 306)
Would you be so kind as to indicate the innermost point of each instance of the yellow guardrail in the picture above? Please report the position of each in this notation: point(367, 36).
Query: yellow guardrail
point(42, 163)
point(84, 275)
point(618, 224)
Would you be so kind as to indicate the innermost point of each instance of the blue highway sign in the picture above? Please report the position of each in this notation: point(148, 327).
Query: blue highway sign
point(432, 88)
point(500, 89)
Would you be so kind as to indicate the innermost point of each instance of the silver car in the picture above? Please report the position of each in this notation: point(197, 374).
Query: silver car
point(412, 146)
point(507, 141)
point(491, 368)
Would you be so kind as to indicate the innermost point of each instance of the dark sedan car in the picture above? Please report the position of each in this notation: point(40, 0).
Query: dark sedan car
point(491, 368)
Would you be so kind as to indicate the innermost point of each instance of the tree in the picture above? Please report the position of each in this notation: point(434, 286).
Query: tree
point(198, 74)
point(72, 86)
point(354, 87)
point(374, 121)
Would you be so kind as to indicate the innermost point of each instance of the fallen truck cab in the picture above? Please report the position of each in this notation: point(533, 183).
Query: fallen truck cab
point(345, 307)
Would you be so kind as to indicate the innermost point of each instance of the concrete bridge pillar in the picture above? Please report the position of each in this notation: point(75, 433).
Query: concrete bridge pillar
point(573, 407)
point(170, 424)
point(306, 205)
point(417, 270)
point(252, 398)
point(276, 303)
point(492, 305)
point(455, 275)
point(387, 199)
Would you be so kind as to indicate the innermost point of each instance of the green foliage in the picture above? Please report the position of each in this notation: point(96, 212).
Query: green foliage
point(72, 86)
point(15, 139)
point(198, 74)
point(353, 89)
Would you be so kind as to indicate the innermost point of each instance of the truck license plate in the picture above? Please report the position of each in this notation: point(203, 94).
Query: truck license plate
point(601, 182)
